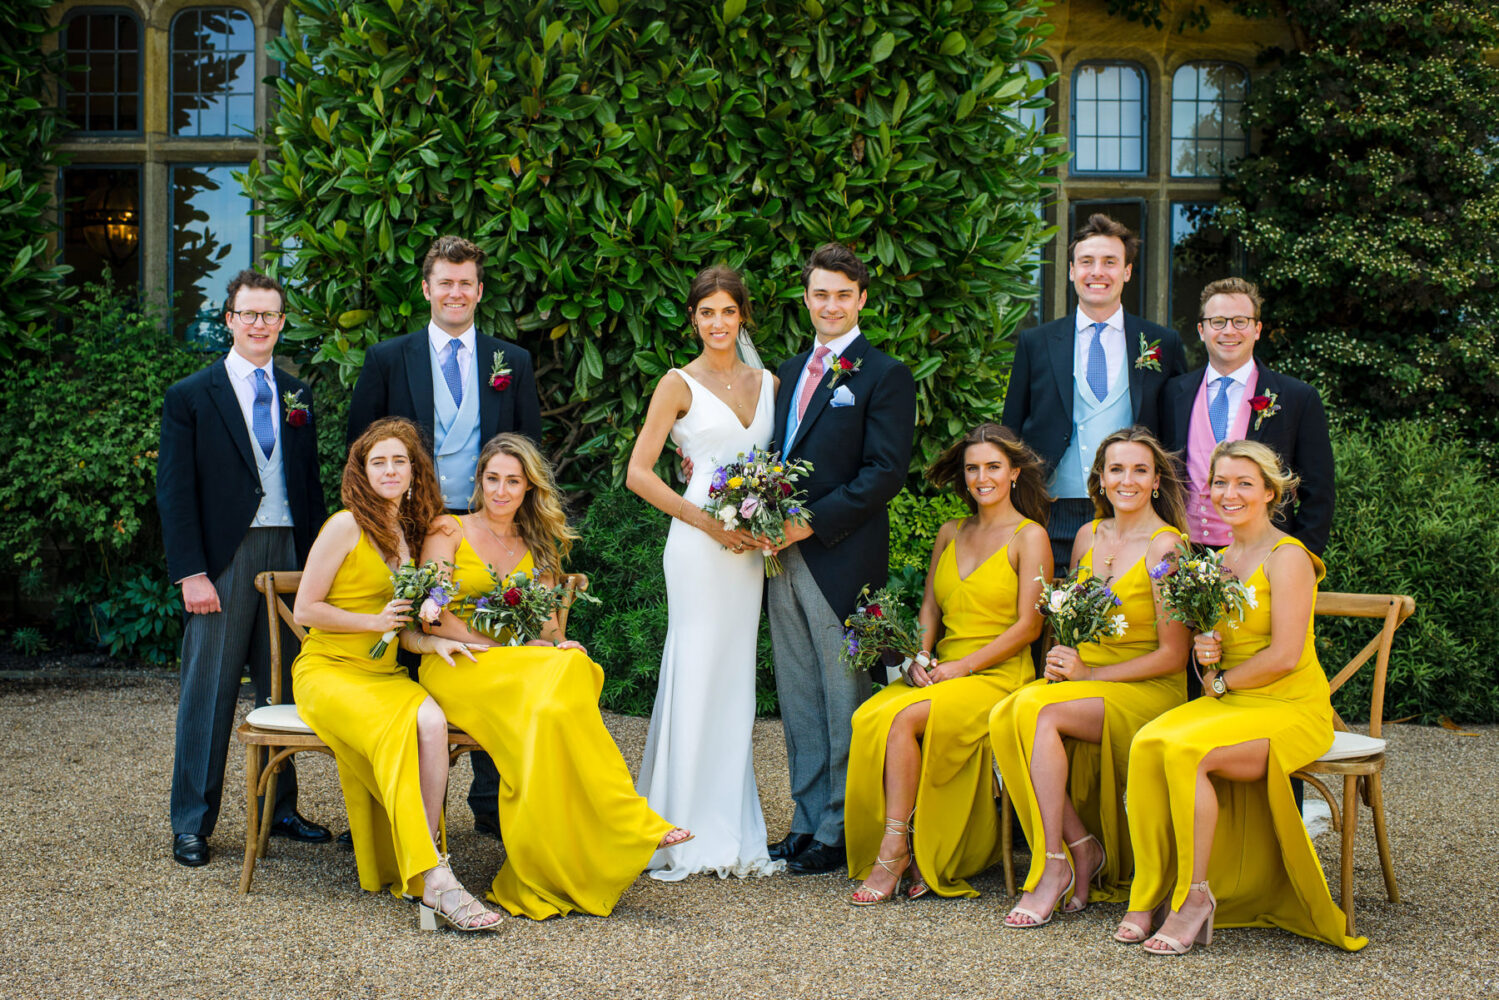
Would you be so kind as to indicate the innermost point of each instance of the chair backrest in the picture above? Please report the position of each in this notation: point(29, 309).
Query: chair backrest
point(273, 584)
point(1394, 609)
point(574, 584)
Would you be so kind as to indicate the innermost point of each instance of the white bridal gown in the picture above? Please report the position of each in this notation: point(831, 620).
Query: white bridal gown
point(698, 767)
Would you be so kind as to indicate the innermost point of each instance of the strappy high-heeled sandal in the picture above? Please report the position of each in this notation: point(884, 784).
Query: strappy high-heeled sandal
point(918, 886)
point(892, 826)
point(1037, 920)
point(462, 917)
point(1156, 917)
point(1204, 935)
point(1095, 879)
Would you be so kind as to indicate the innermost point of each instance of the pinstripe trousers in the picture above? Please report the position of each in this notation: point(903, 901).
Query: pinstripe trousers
point(215, 650)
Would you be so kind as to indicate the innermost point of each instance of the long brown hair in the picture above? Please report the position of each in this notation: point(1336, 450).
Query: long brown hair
point(1169, 500)
point(421, 503)
point(541, 520)
point(1029, 495)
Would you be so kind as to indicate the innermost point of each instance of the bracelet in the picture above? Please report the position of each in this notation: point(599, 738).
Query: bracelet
point(680, 507)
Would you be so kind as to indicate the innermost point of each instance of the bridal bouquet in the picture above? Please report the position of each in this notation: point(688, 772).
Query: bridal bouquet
point(517, 608)
point(431, 584)
point(757, 492)
point(1199, 591)
point(881, 631)
point(1081, 609)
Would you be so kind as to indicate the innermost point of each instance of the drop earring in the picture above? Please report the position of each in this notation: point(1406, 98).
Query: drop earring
point(1155, 493)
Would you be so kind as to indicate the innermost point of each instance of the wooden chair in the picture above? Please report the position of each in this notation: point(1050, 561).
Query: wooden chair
point(1360, 759)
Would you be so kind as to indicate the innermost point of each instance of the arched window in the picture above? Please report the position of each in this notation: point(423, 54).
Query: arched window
point(1206, 136)
point(102, 87)
point(213, 72)
point(1108, 118)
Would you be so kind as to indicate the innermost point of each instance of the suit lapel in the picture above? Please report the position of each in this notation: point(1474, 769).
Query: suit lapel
point(1059, 345)
point(227, 403)
point(485, 349)
point(1181, 407)
point(1131, 354)
point(1264, 384)
point(419, 380)
point(824, 390)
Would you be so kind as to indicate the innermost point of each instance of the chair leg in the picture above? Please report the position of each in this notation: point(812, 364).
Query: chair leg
point(270, 808)
point(1007, 838)
point(1376, 806)
point(252, 815)
point(1350, 822)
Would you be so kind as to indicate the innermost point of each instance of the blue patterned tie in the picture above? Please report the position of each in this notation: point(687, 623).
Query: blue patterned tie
point(450, 373)
point(1098, 366)
point(1218, 409)
point(265, 427)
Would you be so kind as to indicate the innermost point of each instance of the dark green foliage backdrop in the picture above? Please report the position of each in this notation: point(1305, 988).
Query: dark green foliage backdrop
point(602, 152)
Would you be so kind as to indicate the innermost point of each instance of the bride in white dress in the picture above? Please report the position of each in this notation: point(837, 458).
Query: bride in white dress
point(698, 767)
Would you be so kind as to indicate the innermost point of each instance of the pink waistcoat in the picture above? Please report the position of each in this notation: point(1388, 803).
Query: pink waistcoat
point(1204, 526)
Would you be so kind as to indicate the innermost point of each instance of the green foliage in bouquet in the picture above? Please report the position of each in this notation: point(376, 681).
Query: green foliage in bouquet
point(882, 631)
point(602, 152)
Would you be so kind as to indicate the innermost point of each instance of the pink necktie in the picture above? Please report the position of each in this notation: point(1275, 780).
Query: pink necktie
point(814, 378)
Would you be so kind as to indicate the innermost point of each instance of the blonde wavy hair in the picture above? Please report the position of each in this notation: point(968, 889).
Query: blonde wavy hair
point(541, 520)
point(1281, 481)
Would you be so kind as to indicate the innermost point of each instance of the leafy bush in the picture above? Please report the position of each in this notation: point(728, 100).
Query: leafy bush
point(29, 642)
point(602, 152)
point(915, 518)
point(1416, 515)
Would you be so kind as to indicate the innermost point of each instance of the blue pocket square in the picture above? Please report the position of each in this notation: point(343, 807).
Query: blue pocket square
point(842, 397)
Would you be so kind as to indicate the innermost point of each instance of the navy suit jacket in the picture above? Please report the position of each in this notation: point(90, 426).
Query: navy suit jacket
point(860, 454)
point(396, 381)
point(207, 482)
point(1298, 432)
point(1038, 402)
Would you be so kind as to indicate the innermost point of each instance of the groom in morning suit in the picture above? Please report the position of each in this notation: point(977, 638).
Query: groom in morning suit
point(238, 491)
point(461, 388)
point(1078, 379)
point(850, 410)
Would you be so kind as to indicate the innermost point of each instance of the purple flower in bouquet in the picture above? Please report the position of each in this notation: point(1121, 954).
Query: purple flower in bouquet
point(749, 506)
point(1159, 570)
point(720, 478)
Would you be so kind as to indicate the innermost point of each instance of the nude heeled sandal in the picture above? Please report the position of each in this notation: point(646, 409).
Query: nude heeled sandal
point(892, 826)
point(1095, 879)
point(1204, 933)
point(461, 917)
point(1036, 918)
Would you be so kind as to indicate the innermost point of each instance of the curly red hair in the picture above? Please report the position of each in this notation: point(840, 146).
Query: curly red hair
point(421, 504)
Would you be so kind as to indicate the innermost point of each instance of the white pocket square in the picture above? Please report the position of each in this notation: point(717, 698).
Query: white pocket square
point(842, 397)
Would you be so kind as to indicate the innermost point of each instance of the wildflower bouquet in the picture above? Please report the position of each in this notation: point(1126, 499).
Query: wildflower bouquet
point(757, 492)
point(881, 632)
point(1199, 591)
point(517, 608)
point(1081, 609)
point(430, 583)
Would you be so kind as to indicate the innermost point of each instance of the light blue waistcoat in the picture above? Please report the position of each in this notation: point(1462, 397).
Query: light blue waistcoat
point(274, 511)
point(1092, 421)
point(455, 434)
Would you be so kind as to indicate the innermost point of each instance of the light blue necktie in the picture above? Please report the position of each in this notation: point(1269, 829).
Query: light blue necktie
point(260, 414)
point(1218, 409)
point(1098, 366)
point(450, 373)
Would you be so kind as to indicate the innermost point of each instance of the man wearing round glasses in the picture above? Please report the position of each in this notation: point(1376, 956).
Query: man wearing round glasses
point(1235, 397)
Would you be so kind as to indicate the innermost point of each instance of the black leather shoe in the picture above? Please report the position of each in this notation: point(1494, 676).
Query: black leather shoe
point(345, 839)
point(489, 825)
point(293, 827)
point(190, 849)
point(790, 846)
point(816, 860)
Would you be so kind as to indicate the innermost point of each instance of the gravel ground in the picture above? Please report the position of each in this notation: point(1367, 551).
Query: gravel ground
point(94, 906)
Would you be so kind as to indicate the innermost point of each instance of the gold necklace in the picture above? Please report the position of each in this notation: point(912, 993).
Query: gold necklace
point(509, 552)
point(720, 376)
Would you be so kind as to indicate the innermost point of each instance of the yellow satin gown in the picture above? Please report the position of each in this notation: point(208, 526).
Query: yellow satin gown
point(956, 828)
point(1264, 870)
point(576, 833)
point(365, 710)
point(1096, 772)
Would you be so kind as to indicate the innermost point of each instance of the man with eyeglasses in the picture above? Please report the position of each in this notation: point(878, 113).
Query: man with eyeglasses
point(1235, 397)
point(238, 491)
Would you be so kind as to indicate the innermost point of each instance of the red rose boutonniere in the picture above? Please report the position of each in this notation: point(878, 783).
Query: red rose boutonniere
point(297, 413)
point(843, 368)
point(499, 374)
point(1264, 407)
point(1150, 355)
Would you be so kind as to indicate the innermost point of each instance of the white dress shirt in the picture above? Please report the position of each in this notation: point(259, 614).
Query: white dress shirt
point(440, 339)
point(242, 377)
point(1112, 339)
point(1236, 388)
point(835, 348)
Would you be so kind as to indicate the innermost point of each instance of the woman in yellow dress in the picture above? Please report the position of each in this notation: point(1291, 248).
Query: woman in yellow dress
point(919, 784)
point(1210, 801)
point(389, 737)
point(1114, 687)
point(576, 833)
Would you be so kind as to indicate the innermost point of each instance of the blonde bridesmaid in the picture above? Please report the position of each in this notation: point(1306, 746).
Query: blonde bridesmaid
point(919, 773)
point(1052, 738)
point(1217, 835)
point(576, 833)
point(390, 739)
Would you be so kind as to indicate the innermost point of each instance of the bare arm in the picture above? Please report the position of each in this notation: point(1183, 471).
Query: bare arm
point(1294, 584)
point(312, 610)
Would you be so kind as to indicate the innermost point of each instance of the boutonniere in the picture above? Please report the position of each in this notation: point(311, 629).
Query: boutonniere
point(1150, 355)
point(297, 413)
point(843, 368)
point(1264, 407)
point(499, 374)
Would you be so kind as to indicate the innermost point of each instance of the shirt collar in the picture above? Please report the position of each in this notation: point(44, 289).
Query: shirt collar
point(240, 366)
point(1115, 322)
point(439, 338)
point(837, 347)
point(1239, 375)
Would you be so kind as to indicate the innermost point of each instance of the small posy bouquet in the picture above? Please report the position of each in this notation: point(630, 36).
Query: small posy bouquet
point(881, 632)
point(1081, 609)
point(431, 584)
point(517, 608)
point(1199, 591)
point(757, 492)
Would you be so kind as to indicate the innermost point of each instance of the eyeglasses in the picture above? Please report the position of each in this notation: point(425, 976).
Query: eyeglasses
point(1239, 322)
point(249, 316)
